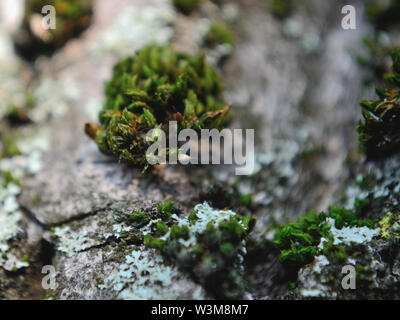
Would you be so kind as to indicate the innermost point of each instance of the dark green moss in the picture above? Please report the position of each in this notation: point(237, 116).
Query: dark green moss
point(209, 255)
point(378, 48)
point(139, 217)
point(298, 241)
point(151, 242)
point(281, 8)
point(383, 14)
point(72, 17)
point(379, 132)
point(186, 6)
point(147, 91)
point(166, 209)
point(162, 228)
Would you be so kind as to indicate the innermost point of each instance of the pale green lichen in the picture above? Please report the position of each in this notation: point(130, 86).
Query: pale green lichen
point(71, 242)
point(146, 275)
point(390, 226)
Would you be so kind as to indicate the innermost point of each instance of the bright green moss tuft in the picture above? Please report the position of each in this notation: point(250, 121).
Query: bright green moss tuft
point(179, 232)
point(219, 33)
point(379, 133)
point(298, 241)
point(147, 91)
point(151, 242)
point(162, 228)
point(166, 209)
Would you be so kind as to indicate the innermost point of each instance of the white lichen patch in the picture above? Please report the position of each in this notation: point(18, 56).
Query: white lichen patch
point(135, 27)
point(205, 215)
point(319, 263)
point(10, 218)
point(32, 143)
point(349, 235)
point(71, 242)
point(52, 98)
point(145, 275)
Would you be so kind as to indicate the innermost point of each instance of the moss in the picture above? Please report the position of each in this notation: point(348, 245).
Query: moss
point(209, 246)
point(151, 242)
point(6, 177)
point(380, 131)
point(139, 217)
point(166, 209)
point(378, 48)
point(72, 17)
point(162, 228)
point(186, 6)
point(8, 145)
point(383, 14)
point(179, 232)
point(299, 241)
point(147, 91)
point(219, 33)
point(281, 8)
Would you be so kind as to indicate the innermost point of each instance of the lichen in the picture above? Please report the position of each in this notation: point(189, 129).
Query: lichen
point(147, 91)
point(70, 242)
point(209, 244)
point(390, 226)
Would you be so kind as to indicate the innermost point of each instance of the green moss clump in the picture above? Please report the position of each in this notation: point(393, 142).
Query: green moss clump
point(155, 243)
point(186, 6)
point(219, 33)
point(162, 228)
point(166, 209)
point(383, 14)
point(72, 17)
point(139, 217)
point(147, 91)
point(208, 249)
point(379, 133)
point(298, 241)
